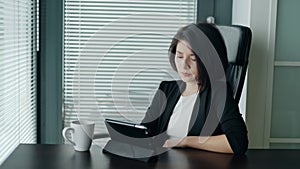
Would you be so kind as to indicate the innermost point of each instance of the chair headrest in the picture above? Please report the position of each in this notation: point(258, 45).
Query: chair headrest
point(237, 40)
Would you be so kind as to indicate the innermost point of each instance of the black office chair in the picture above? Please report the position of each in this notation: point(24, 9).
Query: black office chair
point(237, 40)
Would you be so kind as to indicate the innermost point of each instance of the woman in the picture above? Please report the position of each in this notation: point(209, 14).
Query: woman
point(198, 111)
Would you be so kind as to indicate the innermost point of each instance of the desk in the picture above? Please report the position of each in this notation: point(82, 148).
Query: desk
point(64, 157)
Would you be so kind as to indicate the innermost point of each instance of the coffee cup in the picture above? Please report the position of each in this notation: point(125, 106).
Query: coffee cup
point(82, 133)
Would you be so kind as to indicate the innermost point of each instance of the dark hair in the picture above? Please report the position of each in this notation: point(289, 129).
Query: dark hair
point(187, 34)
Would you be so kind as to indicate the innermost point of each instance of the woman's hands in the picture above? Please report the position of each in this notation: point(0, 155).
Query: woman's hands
point(175, 143)
point(212, 143)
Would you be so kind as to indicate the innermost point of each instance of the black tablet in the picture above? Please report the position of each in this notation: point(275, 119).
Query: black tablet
point(117, 129)
point(132, 141)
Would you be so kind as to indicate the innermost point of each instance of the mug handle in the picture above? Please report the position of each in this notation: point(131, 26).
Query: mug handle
point(64, 132)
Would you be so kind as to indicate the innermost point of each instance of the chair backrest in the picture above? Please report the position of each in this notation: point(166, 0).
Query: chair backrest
point(237, 40)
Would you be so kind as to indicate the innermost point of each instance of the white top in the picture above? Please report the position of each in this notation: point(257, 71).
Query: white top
point(180, 119)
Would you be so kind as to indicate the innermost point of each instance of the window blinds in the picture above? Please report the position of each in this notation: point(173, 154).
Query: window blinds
point(116, 54)
point(17, 74)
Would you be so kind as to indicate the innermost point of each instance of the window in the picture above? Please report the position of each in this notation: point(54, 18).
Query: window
point(17, 74)
point(115, 55)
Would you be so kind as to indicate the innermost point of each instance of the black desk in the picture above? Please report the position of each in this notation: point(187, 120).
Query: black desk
point(64, 157)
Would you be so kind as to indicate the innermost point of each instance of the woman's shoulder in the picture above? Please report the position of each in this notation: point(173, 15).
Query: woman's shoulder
point(171, 85)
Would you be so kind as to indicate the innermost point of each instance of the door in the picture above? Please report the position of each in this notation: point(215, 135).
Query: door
point(285, 106)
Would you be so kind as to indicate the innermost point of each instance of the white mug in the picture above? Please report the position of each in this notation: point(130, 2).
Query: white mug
point(82, 133)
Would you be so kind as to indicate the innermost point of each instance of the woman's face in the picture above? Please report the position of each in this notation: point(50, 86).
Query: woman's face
point(186, 62)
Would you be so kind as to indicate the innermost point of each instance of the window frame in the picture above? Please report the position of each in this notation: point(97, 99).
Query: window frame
point(51, 61)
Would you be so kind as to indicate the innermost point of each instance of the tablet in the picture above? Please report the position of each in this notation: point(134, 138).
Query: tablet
point(127, 128)
point(127, 132)
point(132, 141)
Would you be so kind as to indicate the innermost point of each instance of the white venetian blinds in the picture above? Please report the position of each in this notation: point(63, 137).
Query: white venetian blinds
point(116, 54)
point(17, 74)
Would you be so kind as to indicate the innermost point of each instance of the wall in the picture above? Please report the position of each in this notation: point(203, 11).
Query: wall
point(221, 10)
point(241, 16)
point(259, 15)
point(241, 12)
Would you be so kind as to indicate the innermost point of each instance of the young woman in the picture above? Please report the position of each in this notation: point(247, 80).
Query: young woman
point(198, 111)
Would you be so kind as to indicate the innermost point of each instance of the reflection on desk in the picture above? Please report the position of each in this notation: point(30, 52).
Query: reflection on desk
point(63, 156)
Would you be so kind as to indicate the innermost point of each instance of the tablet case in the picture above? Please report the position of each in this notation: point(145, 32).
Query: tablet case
point(132, 142)
point(130, 151)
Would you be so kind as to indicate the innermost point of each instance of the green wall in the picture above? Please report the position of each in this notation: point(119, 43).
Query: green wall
point(50, 71)
point(220, 9)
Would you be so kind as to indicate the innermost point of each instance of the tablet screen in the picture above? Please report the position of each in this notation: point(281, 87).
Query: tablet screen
point(126, 128)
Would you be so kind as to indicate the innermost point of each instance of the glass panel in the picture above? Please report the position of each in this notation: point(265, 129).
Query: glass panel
point(285, 145)
point(287, 35)
point(286, 104)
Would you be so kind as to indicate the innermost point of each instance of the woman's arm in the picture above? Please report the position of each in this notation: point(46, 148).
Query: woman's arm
point(217, 143)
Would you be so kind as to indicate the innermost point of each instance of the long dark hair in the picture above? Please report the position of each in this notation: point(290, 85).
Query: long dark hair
point(187, 34)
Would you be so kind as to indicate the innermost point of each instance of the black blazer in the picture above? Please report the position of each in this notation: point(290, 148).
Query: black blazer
point(212, 114)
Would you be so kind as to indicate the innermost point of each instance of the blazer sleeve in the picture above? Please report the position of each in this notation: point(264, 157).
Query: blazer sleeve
point(233, 125)
point(155, 110)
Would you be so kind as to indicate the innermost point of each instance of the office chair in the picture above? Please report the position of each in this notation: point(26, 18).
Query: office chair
point(237, 40)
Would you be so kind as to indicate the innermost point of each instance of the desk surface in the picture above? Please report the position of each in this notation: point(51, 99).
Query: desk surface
point(63, 156)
